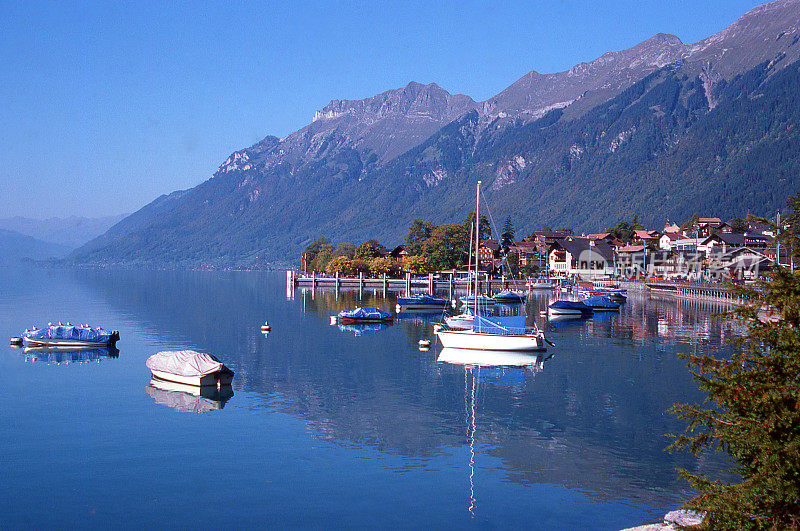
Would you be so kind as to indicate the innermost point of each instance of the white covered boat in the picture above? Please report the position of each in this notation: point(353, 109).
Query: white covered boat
point(190, 368)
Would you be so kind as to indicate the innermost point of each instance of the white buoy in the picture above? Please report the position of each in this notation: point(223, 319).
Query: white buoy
point(333, 320)
point(266, 327)
point(397, 308)
point(424, 343)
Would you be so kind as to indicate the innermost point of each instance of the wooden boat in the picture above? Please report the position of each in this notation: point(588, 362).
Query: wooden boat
point(190, 368)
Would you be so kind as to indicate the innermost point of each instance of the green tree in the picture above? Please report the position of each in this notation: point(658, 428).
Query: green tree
point(418, 232)
point(345, 249)
point(507, 237)
point(447, 247)
point(691, 225)
point(792, 217)
point(360, 266)
point(513, 263)
point(485, 228)
point(739, 225)
point(368, 250)
point(312, 250)
point(752, 412)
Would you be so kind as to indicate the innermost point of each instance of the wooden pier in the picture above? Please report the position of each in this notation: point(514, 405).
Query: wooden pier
point(441, 282)
point(689, 290)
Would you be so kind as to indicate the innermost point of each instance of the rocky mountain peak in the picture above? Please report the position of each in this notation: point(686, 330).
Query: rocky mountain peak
point(414, 98)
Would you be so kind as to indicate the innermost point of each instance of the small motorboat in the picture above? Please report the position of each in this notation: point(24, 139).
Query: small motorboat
point(190, 368)
point(601, 303)
point(541, 284)
point(365, 315)
point(509, 297)
point(562, 307)
point(70, 336)
point(422, 302)
point(617, 295)
point(480, 300)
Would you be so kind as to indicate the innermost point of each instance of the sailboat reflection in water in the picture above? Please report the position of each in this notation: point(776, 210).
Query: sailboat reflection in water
point(188, 398)
point(507, 368)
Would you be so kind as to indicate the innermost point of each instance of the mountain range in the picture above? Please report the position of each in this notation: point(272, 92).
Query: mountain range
point(662, 130)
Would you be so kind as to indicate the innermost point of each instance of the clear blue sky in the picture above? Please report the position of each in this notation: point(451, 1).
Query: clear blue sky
point(104, 107)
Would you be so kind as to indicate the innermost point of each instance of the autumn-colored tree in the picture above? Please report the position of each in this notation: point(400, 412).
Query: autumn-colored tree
point(379, 266)
point(340, 264)
point(415, 264)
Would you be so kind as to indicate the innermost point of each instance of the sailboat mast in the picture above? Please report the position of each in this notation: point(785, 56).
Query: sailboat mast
point(469, 262)
point(477, 238)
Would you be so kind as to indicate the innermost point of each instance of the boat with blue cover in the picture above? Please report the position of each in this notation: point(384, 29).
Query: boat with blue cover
point(69, 336)
point(422, 301)
point(562, 307)
point(601, 303)
point(365, 315)
point(618, 295)
point(509, 297)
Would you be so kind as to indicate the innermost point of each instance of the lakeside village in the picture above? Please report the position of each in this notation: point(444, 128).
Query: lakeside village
point(703, 249)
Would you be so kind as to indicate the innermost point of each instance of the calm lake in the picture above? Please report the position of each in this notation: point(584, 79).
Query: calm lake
point(331, 427)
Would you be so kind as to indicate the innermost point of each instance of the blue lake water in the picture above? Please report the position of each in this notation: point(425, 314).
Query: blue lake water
point(329, 426)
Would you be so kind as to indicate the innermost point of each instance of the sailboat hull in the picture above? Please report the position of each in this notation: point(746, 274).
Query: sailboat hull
point(467, 339)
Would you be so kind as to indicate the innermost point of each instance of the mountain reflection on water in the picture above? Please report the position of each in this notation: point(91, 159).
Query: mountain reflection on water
point(588, 414)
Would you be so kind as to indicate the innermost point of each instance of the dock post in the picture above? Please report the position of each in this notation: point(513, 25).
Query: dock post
point(360, 284)
point(408, 284)
point(503, 284)
point(385, 285)
point(313, 280)
point(430, 283)
point(450, 285)
point(336, 282)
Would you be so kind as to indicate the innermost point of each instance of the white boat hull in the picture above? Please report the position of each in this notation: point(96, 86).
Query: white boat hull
point(563, 311)
point(467, 339)
point(216, 379)
point(63, 343)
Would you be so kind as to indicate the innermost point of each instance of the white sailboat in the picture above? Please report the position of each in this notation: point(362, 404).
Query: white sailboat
point(490, 333)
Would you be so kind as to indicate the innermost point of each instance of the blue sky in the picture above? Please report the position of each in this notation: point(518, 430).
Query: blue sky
point(104, 107)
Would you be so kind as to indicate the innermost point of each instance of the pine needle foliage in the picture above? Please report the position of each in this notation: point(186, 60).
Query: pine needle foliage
point(752, 412)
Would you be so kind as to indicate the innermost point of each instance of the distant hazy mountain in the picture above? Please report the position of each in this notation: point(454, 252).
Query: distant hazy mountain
point(72, 231)
point(662, 130)
point(16, 247)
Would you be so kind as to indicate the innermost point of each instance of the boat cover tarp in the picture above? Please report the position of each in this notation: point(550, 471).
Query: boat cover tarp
point(81, 333)
point(509, 296)
point(514, 325)
point(600, 301)
point(364, 313)
point(422, 299)
point(571, 305)
point(185, 363)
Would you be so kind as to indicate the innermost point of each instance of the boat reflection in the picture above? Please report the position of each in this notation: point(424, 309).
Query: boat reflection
point(66, 355)
point(491, 358)
point(363, 328)
point(188, 398)
point(420, 316)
